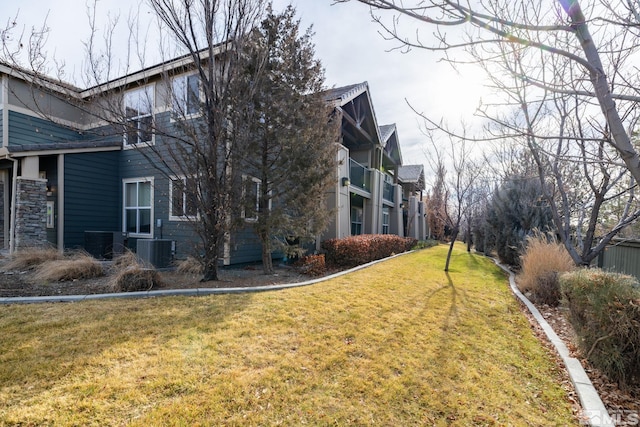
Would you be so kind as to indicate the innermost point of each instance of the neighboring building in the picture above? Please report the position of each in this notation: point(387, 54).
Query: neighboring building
point(370, 196)
point(60, 179)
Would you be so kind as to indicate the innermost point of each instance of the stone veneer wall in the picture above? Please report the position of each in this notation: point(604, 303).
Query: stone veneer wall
point(31, 212)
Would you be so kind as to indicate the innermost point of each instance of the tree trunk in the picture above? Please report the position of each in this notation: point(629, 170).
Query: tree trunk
point(621, 141)
point(454, 236)
point(210, 267)
point(267, 262)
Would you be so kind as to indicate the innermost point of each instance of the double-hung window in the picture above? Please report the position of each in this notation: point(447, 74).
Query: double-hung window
point(138, 107)
point(186, 95)
point(183, 193)
point(138, 206)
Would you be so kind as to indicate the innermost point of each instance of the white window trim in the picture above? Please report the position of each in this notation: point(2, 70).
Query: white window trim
point(182, 115)
point(173, 217)
point(126, 145)
point(126, 181)
point(257, 207)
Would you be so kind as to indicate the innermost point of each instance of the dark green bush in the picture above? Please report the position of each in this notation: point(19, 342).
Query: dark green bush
point(358, 250)
point(604, 309)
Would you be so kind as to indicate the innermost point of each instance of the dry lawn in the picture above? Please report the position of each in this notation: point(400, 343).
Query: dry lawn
point(397, 344)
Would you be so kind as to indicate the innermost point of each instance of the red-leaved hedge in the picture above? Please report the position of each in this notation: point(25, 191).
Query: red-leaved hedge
point(312, 265)
point(357, 250)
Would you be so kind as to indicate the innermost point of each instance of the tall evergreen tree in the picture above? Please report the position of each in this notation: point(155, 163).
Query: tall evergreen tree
point(515, 210)
point(289, 137)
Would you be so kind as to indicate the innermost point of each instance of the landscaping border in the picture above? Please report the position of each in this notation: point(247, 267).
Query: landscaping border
point(185, 292)
point(593, 410)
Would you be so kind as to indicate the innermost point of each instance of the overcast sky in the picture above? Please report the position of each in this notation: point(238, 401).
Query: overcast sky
point(347, 42)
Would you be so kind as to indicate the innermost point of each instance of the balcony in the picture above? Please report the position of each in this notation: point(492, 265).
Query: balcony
point(359, 176)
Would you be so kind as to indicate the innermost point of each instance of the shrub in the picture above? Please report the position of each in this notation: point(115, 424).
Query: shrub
point(357, 250)
point(30, 258)
point(541, 263)
point(134, 279)
point(604, 309)
point(78, 266)
point(312, 265)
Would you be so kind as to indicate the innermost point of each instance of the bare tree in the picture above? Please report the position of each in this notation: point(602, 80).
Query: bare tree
point(459, 188)
point(579, 171)
point(196, 150)
point(550, 29)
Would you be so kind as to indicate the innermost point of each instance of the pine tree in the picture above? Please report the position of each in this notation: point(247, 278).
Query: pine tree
point(289, 137)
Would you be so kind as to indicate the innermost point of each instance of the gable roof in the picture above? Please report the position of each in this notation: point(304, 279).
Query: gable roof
point(391, 143)
point(344, 94)
point(359, 123)
point(412, 174)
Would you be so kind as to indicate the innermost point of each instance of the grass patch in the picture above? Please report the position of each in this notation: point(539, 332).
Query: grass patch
point(399, 343)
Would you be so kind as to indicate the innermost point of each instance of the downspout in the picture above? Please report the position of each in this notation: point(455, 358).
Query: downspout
point(14, 189)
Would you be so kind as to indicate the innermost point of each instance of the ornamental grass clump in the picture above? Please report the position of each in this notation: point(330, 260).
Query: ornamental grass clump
point(190, 265)
point(542, 263)
point(132, 275)
point(604, 309)
point(30, 258)
point(75, 267)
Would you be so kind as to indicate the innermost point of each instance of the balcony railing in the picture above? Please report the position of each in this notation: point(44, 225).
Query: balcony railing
point(359, 176)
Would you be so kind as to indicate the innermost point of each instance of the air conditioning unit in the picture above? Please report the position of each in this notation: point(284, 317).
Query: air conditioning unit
point(104, 244)
point(157, 252)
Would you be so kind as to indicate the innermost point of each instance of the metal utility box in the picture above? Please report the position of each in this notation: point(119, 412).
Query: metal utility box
point(157, 252)
point(104, 244)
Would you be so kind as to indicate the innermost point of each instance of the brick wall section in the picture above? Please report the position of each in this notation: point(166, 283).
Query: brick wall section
point(31, 212)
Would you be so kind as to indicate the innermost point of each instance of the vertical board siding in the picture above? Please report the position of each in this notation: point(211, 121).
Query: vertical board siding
point(91, 195)
point(29, 130)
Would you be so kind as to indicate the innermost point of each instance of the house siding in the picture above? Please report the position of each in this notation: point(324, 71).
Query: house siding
point(245, 246)
point(92, 197)
point(29, 130)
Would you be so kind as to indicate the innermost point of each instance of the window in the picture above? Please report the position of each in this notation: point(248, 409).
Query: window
point(183, 202)
point(356, 221)
point(251, 191)
point(138, 106)
point(138, 208)
point(385, 220)
point(186, 95)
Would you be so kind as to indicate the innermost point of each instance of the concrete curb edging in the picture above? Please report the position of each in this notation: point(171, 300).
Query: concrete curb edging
point(593, 410)
point(186, 292)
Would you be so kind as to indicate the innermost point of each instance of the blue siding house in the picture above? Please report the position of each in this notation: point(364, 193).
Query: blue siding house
point(63, 177)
